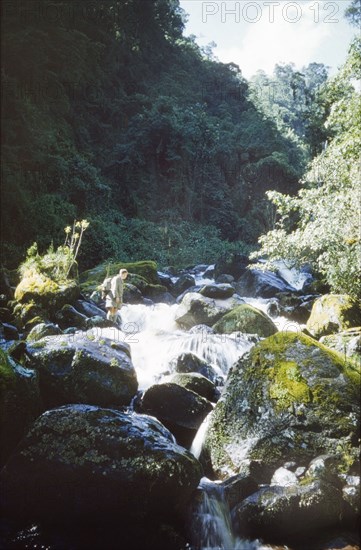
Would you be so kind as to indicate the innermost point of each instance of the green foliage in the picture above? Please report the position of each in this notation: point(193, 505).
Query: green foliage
point(56, 265)
point(181, 243)
point(353, 13)
point(110, 114)
point(321, 225)
point(294, 100)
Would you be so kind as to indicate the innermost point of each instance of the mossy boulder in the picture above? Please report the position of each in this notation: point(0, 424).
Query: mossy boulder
point(333, 313)
point(289, 398)
point(20, 403)
point(85, 463)
point(83, 368)
point(248, 319)
point(37, 288)
point(140, 273)
point(41, 330)
point(196, 309)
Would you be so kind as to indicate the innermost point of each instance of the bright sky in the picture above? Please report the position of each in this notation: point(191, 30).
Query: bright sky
point(258, 34)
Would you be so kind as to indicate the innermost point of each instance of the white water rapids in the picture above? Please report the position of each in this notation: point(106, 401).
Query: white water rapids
point(156, 341)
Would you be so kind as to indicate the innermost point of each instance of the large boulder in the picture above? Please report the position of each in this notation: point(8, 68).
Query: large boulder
point(38, 288)
point(181, 410)
point(83, 368)
point(333, 313)
point(68, 316)
point(290, 398)
point(20, 403)
point(196, 309)
point(261, 284)
point(95, 465)
point(248, 319)
point(280, 513)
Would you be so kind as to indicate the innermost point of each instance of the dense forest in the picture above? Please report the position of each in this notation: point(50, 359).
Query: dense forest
point(111, 114)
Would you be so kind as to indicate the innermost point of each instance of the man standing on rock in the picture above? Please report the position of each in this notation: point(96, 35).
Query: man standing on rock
point(113, 291)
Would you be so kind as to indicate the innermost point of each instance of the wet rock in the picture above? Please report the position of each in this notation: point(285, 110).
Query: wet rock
point(221, 291)
point(188, 362)
point(209, 273)
point(195, 382)
point(85, 463)
point(99, 322)
point(83, 368)
point(43, 329)
point(238, 487)
point(89, 309)
point(183, 283)
point(289, 399)
point(68, 316)
point(132, 295)
point(246, 319)
point(280, 514)
point(261, 284)
point(166, 280)
point(284, 478)
point(181, 410)
point(20, 403)
point(295, 307)
point(225, 278)
point(333, 313)
point(196, 309)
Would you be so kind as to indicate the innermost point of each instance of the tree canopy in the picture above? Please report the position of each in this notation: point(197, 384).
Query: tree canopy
point(321, 225)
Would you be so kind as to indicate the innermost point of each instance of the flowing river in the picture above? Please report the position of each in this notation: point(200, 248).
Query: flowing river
point(156, 341)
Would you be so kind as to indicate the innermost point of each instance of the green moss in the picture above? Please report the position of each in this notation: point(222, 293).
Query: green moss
point(35, 283)
point(333, 313)
point(246, 318)
point(288, 386)
point(7, 375)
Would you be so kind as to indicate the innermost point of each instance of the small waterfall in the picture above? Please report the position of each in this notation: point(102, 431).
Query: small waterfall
point(212, 524)
point(292, 275)
point(156, 341)
point(196, 447)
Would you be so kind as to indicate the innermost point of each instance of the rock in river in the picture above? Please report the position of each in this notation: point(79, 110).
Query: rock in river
point(82, 368)
point(290, 398)
point(81, 462)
